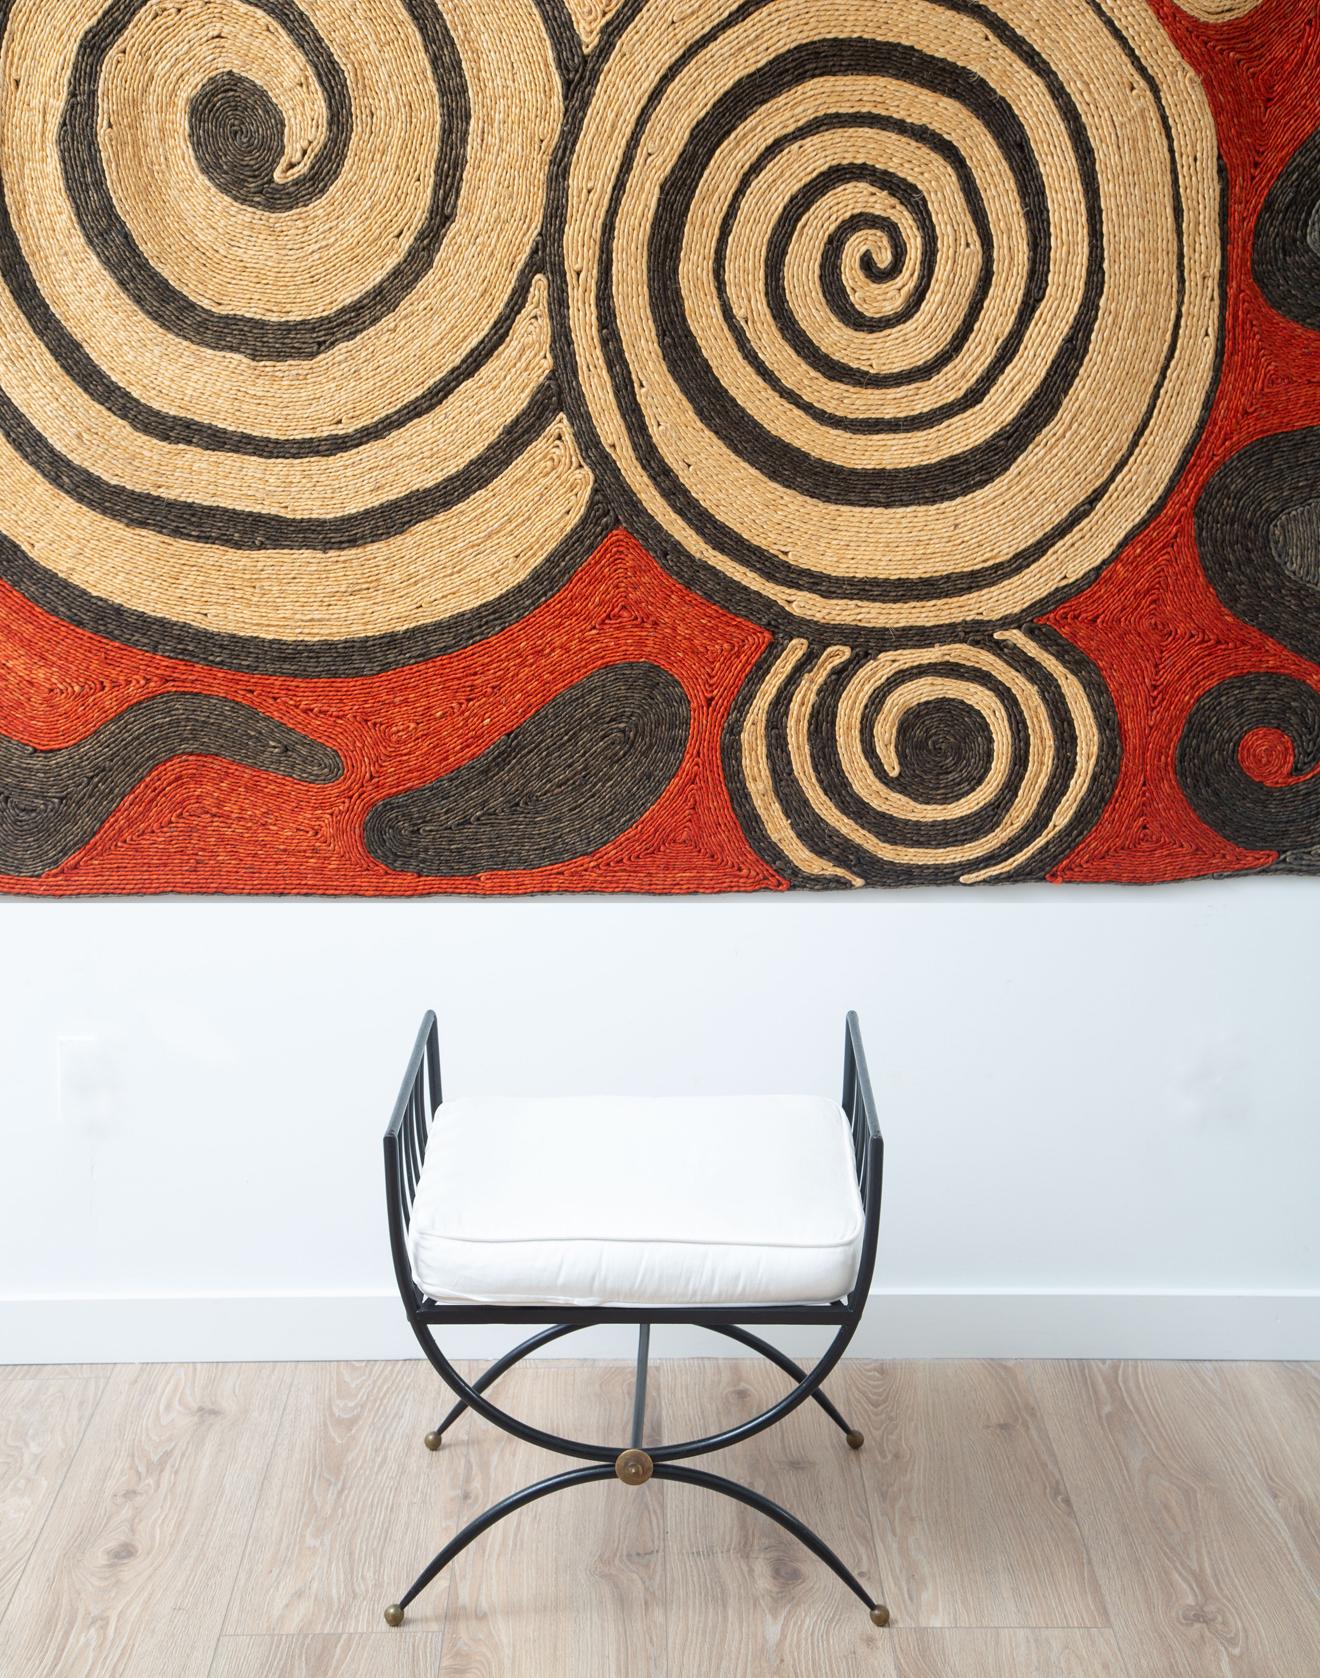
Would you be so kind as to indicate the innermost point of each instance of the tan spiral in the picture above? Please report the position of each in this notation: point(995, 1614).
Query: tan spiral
point(887, 320)
point(959, 761)
point(274, 349)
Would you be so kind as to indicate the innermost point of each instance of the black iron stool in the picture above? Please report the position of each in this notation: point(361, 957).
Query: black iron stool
point(462, 1257)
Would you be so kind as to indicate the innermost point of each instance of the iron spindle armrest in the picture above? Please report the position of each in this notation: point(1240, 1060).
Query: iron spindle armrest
point(419, 1095)
point(858, 1101)
point(868, 1150)
point(405, 1140)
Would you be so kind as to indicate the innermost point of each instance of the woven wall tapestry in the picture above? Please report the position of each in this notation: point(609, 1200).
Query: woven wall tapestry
point(657, 445)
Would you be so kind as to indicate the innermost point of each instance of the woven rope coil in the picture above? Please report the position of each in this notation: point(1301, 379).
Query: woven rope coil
point(299, 406)
point(866, 322)
point(337, 336)
point(955, 762)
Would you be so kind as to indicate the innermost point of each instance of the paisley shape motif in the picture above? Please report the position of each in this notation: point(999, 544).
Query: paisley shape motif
point(52, 802)
point(574, 776)
point(1258, 536)
point(1285, 253)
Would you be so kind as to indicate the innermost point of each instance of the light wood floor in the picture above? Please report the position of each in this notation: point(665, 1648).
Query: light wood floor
point(1047, 1520)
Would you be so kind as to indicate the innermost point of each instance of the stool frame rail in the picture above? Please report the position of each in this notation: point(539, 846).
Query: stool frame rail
point(405, 1142)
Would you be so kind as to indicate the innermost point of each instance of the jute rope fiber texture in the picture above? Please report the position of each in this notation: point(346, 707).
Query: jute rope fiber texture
point(888, 429)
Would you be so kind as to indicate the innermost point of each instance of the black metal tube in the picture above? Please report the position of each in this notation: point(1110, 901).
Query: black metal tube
point(501, 1418)
point(783, 1316)
point(497, 1512)
point(498, 1368)
point(754, 1500)
point(781, 1361)
point(776, 1413)
point(639, 1384)
point(607, 1453)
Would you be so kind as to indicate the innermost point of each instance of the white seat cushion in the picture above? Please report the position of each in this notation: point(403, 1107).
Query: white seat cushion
point(748, 1200)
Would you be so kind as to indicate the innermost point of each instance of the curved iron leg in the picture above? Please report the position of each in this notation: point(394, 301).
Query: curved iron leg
point(497, 1369)
point(792, 1370)
point(790, 1523)
point(660, 1453)
point(496, 1512)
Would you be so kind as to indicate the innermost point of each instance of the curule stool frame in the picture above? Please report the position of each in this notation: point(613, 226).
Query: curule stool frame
point(405, 1149)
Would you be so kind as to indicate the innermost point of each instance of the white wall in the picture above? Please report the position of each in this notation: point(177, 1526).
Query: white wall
point(1100, 1104)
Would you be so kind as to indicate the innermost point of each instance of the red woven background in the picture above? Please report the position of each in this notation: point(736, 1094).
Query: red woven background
point(1151, 623)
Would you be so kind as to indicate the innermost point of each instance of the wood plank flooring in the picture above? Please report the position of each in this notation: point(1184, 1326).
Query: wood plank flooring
point(1024, 1520)
point(754, 1600)
point(1200, 1571)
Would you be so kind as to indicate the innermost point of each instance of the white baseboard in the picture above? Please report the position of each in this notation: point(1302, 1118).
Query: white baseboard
point(254, 1327)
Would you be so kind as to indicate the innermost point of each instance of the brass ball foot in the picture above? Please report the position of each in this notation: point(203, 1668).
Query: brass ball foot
point(394, 1615)
point(879, 1615)
point(433, 1441)
point(855, 1439)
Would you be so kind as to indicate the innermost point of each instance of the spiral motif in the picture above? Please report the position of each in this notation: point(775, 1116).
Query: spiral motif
point(1258, 537)
point(274, 346)
point(959, 762)
point(877, 319)
point(1280, 814)
point(739, 388)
